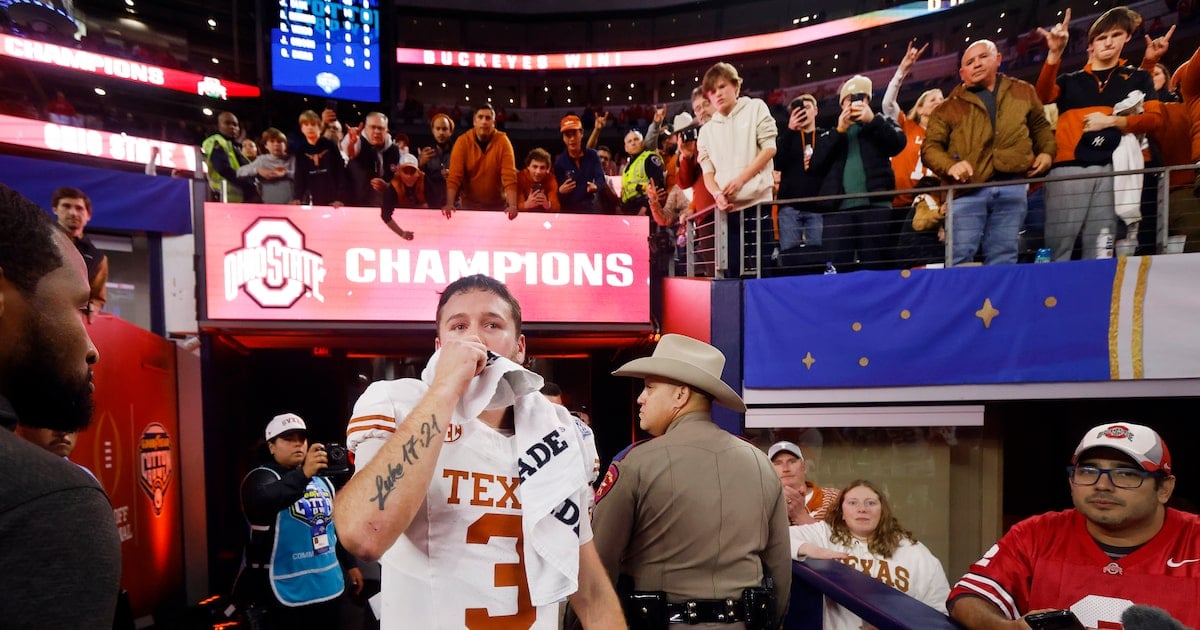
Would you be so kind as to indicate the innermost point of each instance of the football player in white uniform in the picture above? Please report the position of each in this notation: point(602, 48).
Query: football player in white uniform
point(437, 498)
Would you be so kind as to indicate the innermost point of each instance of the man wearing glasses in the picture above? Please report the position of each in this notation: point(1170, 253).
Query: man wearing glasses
point(1118, 547)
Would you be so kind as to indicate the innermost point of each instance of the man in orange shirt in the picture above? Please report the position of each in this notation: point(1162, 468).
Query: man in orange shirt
point(483, 169)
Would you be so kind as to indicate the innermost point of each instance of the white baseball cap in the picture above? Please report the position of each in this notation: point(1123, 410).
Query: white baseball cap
point(784, 447)
point(284, 423)
point(1140, 442)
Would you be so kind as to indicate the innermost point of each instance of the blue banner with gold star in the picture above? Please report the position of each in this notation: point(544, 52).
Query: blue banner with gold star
point(1003, 324)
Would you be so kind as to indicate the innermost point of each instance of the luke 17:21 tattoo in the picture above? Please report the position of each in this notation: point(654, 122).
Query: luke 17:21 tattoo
point(384, 484)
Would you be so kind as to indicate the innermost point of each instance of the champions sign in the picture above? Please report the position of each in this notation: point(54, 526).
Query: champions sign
point(116, 68)
point(294, 263)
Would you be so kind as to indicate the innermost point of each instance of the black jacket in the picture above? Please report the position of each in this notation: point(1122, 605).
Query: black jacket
point(879, 140)
point(796, 181)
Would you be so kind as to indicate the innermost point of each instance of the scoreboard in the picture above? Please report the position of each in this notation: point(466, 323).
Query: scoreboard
point(327, 48)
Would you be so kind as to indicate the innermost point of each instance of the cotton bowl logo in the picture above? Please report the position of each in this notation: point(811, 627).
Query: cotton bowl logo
point(154, 466)
point(329, 82)
point(273, 266)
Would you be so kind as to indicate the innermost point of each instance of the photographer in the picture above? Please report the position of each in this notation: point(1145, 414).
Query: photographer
point(856, 158)
point(290, 575)
point(537, 190)
point(800, 224)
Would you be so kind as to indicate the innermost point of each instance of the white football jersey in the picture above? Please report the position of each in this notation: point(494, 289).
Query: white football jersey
point(460, 564)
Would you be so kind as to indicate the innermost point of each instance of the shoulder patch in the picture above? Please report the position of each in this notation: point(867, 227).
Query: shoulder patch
point(610, 478)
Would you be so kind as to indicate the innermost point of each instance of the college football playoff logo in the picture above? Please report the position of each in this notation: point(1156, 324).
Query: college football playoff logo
point(154, 465)
point(273, 266)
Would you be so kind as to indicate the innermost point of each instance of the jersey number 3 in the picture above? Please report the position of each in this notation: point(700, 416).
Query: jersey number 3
point(512, 574)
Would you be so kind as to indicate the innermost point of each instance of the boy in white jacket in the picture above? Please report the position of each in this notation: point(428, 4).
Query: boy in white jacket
point(736, 149)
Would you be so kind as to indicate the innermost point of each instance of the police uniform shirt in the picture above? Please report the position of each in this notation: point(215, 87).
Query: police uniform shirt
point(697, 513)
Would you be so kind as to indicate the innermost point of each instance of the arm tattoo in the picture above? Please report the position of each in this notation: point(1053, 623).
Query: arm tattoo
point(384, 484)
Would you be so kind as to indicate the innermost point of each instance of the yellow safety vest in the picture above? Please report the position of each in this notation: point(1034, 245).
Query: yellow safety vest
point(234, 194)
point(634, 176)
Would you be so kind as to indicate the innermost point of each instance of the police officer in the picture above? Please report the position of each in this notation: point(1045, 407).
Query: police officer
point(694, 518)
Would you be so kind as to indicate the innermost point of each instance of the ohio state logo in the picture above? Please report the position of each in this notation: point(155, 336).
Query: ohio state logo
point(273, 266)
point(154, 464)
point(1117, 432)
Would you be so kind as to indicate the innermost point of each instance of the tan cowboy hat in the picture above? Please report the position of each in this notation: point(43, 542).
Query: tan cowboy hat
point(688, 361)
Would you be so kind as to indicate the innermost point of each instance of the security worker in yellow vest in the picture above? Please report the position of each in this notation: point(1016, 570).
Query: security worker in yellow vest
point(223, 156)
point(645, 165)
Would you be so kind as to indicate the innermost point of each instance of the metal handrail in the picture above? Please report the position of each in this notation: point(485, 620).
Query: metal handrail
point(951, 190)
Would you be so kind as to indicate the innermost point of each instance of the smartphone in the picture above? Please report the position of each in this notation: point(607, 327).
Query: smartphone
point(1054, 620)
point(860, 96)
point(331, 104)
point(536, 187)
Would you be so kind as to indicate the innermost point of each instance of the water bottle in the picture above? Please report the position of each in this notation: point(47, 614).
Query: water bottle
point(830, 270)
point(1043, 255)
point(1104, 244)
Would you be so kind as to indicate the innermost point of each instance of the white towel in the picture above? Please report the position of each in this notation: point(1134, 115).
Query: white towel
point(554, 468)
point(1127, 189)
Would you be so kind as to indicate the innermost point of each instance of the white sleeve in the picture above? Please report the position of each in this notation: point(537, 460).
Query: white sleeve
point(930, 585)
point(814, 533)
point(378, 410)
point(704, 155)
point(890, 107)
point(251, 169)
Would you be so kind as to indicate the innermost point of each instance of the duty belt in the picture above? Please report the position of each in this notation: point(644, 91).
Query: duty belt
point(706, 611)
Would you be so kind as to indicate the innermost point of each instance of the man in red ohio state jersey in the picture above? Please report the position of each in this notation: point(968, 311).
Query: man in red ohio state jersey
point(1119, 547)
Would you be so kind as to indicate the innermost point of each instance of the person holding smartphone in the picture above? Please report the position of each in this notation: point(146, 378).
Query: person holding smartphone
point(537, 189)
point(1120, 546)
point(800, 223)
point(856, 158)
point(582, 186)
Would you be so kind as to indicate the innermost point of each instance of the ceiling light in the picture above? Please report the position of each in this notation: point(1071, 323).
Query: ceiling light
point(206, 111)
point(129, 3)
point(100, 91)
point(215, 60)
point(212, 23)
point(795, 20)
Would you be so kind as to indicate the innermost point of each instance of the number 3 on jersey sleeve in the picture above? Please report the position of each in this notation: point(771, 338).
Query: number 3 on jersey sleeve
point(511, 574)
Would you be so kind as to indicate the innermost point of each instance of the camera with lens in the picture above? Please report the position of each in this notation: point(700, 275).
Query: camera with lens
point(338, 458)
point(689, 135)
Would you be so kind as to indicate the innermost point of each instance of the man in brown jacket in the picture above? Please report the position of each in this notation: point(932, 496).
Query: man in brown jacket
point(694, 517)
point(991, 129)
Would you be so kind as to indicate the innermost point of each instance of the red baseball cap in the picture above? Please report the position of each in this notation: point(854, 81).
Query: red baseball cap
point(570, 121)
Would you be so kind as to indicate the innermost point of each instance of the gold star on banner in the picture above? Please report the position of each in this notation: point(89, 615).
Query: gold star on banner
point(864, 361)
point(856, 326)
point(808, 361)
point(904, 314)
point(1051, 302)
point(987, 313)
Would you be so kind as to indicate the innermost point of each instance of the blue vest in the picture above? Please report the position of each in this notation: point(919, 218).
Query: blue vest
point(304, 565)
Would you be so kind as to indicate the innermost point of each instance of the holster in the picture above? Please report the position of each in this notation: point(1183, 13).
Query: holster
point(644, 610)
point(759, 605)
